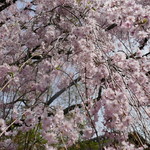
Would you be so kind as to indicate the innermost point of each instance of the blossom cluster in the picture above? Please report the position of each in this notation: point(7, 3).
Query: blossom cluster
point(39, 45)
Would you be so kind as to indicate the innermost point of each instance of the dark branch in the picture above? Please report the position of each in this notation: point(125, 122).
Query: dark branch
point(111, 27)
point(99, 93)
point(62, 91)
point(146, 54)
point(6, 5)
point(72, 107)
point(143, 43)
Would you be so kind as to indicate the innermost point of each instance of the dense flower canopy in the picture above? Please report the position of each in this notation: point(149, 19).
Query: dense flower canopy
point(95, 50)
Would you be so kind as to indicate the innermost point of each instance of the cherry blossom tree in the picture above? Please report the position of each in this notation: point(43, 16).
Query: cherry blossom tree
point(64, 61)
